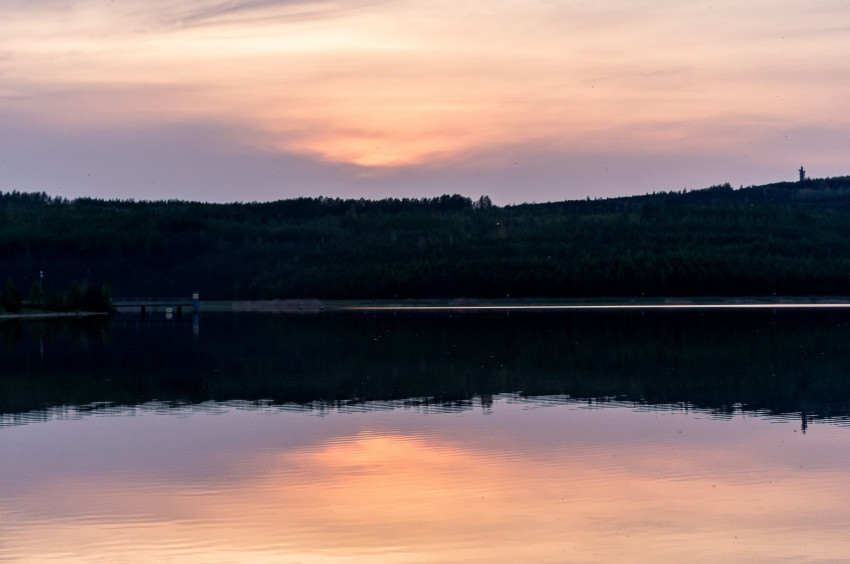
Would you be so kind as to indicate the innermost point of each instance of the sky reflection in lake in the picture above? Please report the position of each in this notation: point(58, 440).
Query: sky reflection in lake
point(530, 480)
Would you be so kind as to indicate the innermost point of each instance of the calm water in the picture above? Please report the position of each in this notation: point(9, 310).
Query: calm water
point(555, 437)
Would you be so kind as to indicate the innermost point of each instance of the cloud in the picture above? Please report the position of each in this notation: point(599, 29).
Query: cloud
point(264, 11)
point(404, 89)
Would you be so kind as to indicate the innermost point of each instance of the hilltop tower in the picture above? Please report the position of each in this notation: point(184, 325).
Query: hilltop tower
point(802, 174)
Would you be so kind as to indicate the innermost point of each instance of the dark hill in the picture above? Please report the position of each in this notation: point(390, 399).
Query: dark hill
point(786, 238)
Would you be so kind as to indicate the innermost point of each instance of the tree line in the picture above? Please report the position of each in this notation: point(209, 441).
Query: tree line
point(785, 238)
point(79, 296)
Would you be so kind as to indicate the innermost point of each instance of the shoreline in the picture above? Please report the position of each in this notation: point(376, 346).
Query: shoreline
point(507, 304)
point(52, 315)
point(315, 306)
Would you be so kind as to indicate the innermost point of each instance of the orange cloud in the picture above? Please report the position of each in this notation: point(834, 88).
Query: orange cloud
point(385, 85)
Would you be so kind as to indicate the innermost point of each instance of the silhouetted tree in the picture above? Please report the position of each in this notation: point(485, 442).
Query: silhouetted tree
point(11, 298)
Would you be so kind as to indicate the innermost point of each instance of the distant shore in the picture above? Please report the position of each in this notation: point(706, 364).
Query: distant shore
point(315, 305)
point(51, 314)
point(312, 306)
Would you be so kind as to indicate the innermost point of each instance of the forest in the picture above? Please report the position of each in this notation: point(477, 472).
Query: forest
point(786, 239)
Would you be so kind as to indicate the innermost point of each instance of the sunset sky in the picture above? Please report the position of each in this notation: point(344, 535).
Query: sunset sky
point(532, 100)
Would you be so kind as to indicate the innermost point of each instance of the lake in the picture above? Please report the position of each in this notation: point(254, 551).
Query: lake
point(521, 436)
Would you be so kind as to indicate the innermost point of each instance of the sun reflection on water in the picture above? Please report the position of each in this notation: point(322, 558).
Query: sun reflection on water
point(531, 481)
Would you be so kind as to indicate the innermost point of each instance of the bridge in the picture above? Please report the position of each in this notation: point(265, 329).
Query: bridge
point(156, 305)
